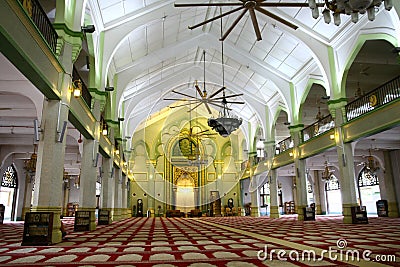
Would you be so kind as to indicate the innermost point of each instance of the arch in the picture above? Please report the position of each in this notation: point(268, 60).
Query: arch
point(367, 178)
point(224, 147)
point(362, 38)
point(332, 184)
point(309, 85)
point(144, 144)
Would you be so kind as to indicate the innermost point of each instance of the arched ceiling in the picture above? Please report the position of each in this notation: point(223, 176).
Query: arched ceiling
point(149, 50)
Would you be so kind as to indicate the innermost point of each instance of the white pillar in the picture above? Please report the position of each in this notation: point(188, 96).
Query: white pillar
point(388, 190)
point(88, 178)
point(273, 191)
point(47, 196)
point(117, 194)
point(346, 164)
point(124, 197)
point(300, 171)
point(107, 186)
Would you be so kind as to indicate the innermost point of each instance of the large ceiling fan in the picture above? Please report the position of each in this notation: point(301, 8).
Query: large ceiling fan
point(244, 6)
point(214, 99)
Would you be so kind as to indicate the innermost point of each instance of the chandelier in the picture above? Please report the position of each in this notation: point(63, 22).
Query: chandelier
point(371, 164)
point(30, 164)
point(327, 173)
point(319, 115)
point(349, 7)
point(225, 124)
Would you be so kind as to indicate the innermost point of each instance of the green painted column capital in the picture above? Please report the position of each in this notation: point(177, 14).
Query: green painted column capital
point(336, 104)
point(296, 128)
point(66, 35)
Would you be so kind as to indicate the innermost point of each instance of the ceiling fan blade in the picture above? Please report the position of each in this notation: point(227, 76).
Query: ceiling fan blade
point(208, 108)
point(275, 17)
point(220, 106)
point(179, 99)
point(215, 18)
point(255, 23)
point(228, 96)
point(186, 105)
point(288, 4)
point(195, 107)
point(235, 102)
point(207, 4)
point(199, 91)
point(217, 92)
point(179, 93)
point(234, 24)
point(203, 131)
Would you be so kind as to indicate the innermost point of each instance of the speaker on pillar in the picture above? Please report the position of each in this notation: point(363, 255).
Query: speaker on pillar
point(62, 133)
point(96, 161)
point(36, 129)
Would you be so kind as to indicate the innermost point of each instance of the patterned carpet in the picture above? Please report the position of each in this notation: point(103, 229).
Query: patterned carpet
point(208, 242)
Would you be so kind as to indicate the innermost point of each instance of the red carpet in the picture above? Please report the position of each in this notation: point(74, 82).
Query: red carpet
point(199, 242)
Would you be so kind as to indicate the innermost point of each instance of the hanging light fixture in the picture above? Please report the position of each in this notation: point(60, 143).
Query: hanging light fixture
point(30, 164)
point(104, 128)
point(371, 164)
point(319, 116)
point(326, 173)
point(77, 88)
point(348, 7)
point(225, 124)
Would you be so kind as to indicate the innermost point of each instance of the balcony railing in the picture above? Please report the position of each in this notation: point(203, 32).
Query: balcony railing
point(42, 22)
point(319, 127)
point(284, 145)
point(86, 96)
point(374, 99)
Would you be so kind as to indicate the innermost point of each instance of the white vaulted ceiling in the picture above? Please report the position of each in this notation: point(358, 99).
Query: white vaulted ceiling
point(149, 51)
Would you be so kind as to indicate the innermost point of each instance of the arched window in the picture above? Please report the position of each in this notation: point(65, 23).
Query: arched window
point(10, 178)
point(332, 184)
point(367, 178)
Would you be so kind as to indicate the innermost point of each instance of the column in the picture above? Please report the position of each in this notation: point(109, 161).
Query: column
point(346, 162)
point(28, 194)
point(66, 197)
point(107, 186)
point(151, 187)
point(319, 201)
point(87, 190)
point(269, 147)
point(47, 196)
point(300, 185)
point(273, 194)
point(124, 198)
point(117, 194)
point(255, 211)
point(388, 190)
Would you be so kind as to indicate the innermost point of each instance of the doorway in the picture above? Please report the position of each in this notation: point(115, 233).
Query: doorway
point(333, 196)
point(185, 201)
point(368, 190)
point(8, 192)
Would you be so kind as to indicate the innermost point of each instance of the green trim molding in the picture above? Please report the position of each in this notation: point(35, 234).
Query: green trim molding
point(337, 101)
point(98, 92)
point(293, 127)
point(63, 27)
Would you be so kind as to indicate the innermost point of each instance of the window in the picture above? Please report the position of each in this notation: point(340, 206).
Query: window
point(367, 178)
point(10, 178)
point(332, 184)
